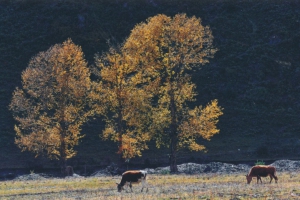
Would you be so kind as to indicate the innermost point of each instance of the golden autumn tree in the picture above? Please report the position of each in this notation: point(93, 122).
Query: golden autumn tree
point(53, 102)
point(127, 104)
point(167, 50)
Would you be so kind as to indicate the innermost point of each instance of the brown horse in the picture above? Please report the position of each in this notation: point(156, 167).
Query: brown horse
point(259, 171)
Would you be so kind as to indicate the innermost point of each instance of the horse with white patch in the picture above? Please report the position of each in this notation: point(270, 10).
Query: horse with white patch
point(132, 177)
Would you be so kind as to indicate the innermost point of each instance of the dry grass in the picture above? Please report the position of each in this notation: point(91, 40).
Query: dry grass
point(164, 187)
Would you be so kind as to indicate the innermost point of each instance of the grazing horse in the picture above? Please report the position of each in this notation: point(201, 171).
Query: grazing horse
point(132, 177)
point(259, 171)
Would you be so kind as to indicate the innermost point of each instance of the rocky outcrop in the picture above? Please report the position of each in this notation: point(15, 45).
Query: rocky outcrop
point(186, 168)
point(220, 168)
point(193, 168)
point(213, 167)
point(287, 165)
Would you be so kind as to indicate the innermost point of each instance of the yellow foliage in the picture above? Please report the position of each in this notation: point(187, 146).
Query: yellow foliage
point(165, 50)
point(201, 123)
point(53, 102)
point(133, 144)
point(127, 102)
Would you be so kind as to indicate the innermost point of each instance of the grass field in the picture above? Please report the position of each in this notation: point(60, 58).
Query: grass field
point(163, 187)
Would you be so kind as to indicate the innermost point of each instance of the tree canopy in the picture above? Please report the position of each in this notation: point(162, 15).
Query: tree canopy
point(53, 102)
point(167, 50)
point(143, 90)
point(127, 103)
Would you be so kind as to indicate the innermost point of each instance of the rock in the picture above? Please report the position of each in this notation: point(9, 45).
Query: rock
point(73, 176)
point(150, 171)
point(224, 168)
point(286, 165)
point(193, 168)
point(112, 169)
point(30, 177)
point(186, 168)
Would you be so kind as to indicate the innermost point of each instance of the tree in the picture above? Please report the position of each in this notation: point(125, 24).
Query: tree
point(126, 102)
point(53, 102)
point(167, 50)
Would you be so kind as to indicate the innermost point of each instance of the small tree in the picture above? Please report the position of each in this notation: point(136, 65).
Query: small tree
point(166, 50)
point(52, 104)
point(126, 101)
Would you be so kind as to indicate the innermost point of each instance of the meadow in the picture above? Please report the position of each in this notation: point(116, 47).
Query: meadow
point(161, 187)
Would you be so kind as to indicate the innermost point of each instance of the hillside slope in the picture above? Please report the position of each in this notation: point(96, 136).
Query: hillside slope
point(254, 75)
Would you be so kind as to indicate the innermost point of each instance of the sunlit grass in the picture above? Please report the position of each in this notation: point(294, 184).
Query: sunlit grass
point(162, 187)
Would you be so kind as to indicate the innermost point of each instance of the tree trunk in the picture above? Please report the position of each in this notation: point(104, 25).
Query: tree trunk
point(120, 131)
point(63, 166)
point(121, 160)
point(62, 149)
point(63, 158)
point(173, 163)
point(173, 134)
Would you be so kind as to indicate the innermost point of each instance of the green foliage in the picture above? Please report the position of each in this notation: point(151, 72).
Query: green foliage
point(260, 162)
point(165, 172)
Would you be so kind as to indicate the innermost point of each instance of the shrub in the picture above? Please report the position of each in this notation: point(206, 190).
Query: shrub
point(260, 162)
point(165, 172)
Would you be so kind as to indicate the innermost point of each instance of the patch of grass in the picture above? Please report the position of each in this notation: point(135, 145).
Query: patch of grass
point(165, 172)
point(166, 187)
point(260, 162)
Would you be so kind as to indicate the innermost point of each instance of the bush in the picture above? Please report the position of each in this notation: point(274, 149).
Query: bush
point(165, 172)
point(260, 162)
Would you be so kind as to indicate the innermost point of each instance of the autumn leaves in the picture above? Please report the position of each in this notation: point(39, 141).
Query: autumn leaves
point(142, 90)
point(51, 106)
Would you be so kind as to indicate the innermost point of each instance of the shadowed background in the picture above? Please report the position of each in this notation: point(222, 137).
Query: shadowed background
point(254, 75)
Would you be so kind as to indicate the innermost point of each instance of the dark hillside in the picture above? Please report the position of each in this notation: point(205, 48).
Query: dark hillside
point(254, 75)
